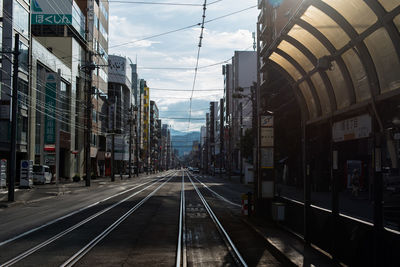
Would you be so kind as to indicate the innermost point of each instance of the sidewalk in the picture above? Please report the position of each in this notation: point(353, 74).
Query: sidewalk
point(47, 191)
point(287, 247)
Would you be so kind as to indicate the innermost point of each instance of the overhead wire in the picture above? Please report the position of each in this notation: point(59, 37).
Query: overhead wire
point(198, 57)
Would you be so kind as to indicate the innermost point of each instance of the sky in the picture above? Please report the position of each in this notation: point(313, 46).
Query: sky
point(168, 61)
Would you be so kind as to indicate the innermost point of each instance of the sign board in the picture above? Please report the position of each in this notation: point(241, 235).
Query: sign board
point(45, 13)
point(5, 111)
point(50, 104)
point(50, 159)
point(267, 121)
point(268, 189)
point(26, 173)
point(267, 158)
point(3, 173)
point(353, 128)
point(267, 137)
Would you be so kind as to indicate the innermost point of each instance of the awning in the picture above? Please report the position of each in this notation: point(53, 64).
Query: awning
point(339, 54)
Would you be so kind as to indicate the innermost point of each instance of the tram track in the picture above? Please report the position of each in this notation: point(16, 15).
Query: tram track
point(88, 247)
point(62, 234)
point(182, 258)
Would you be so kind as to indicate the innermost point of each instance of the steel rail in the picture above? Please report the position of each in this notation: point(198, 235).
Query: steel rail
point(181, 247)
point(232, 248)
point(70, 229)
point(2, 243)
point(215, 193)
point(88, 247)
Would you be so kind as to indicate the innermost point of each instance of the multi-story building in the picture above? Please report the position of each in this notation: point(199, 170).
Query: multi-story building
point(59, 36)
point(15, 20)
point(146, 125)
point(76, 32)
point(121, 118)
point(154, 134)
point(238, 79)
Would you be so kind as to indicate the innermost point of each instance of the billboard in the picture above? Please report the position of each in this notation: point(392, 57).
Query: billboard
point(46, 12)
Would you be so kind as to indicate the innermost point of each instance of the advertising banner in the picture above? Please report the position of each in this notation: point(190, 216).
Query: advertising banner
point(50, 104)
point(46, 12)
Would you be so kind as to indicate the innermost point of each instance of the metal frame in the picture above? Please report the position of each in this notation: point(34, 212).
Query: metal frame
point(385, 19)
point(314, 61)
point(300, 98)
point(303, 73)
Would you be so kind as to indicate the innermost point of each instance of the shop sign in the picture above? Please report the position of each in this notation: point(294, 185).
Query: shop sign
point(267, 137)
point(267, 158)
point(267, 121)
point(43, 12)
point(26, 173)
point(50, 159)
point(353, 128)
point(50, 103)
point(3, 172)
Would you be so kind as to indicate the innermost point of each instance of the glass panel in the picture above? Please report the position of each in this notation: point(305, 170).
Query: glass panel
point(305, 90)
point(322, 93)
point(389, 5)
point(356, 12)
point(327, 26)
point(286, 65)
point(358, 75)
point(309, 41)
point(385, 58)
point(397, 22)
point(297, 55)
point(339, 86)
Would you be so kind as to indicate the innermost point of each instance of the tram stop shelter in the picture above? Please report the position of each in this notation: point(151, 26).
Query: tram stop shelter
point(342, 61)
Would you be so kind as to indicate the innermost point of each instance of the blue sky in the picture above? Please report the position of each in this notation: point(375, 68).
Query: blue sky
point(130, 22)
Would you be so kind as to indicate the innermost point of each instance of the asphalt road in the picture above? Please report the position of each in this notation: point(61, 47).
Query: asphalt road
point(135, 223)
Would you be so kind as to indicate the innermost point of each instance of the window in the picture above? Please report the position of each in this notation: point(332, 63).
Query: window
point(23, 57)
point(96, 21)
point(104, 10)
point(94, 116)
point(65, 112)
point(21, 19)
point(103, 31)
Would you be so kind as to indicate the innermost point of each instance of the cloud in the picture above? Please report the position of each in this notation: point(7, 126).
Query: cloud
point(161, 59)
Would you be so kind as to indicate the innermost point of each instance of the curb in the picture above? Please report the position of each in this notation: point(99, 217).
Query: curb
point(271, 247)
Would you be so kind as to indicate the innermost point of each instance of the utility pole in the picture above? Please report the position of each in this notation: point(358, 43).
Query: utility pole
point(113, 140)
point(58, 87)
point(89, 69)
point(130, 141)
point(14, 110)
point(221, 135)
point(137, 140)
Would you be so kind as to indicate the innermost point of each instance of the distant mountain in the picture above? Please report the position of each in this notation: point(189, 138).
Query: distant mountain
point(183, 141)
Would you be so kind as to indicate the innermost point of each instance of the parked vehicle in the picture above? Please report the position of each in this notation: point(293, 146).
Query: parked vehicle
point(195, 170)
point(42, 174)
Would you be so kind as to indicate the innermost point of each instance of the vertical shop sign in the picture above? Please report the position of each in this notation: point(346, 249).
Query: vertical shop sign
point(50, 104)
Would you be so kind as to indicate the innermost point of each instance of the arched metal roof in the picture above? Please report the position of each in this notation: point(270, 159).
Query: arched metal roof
point(340, 54)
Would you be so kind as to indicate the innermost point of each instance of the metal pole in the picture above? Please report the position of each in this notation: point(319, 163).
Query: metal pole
point(58, 88)
point(14, 111)
point(137, 142)
point(257, 173)
point(113, 141)
point(88, 120)
point(130, 142)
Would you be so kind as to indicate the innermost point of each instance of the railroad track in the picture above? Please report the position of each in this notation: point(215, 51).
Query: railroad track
point(183, 246)
point(77, 224)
